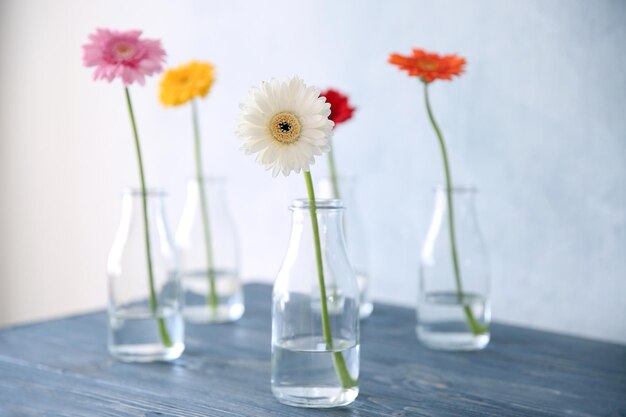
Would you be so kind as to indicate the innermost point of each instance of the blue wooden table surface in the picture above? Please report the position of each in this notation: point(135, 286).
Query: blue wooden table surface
point(62, 368)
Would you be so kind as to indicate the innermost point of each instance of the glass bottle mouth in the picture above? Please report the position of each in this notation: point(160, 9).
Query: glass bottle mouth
point(150, 192)
point(320, 204)
point(209, 179)
point(461, 189)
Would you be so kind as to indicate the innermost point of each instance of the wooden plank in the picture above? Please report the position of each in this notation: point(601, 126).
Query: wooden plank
point(62, 368)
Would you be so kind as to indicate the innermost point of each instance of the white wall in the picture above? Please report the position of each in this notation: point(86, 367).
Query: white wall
point(537, 123)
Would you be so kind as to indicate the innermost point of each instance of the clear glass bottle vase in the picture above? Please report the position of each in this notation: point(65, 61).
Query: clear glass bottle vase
point(453, 309)
point(145, 318)
point(315, 317)
point(355, 235)
point(207, 243)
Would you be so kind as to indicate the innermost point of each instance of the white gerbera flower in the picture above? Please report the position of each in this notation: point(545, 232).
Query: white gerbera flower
point(286, 124)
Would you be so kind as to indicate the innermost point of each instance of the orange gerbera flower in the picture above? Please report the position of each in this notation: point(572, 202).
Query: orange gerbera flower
point(429, 66)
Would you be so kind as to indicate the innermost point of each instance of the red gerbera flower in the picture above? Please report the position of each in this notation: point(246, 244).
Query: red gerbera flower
point(429, 66)
point(340, 108)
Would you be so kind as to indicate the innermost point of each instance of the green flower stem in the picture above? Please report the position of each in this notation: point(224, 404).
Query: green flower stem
point(334, 180)
point(206, 230)
point(474, 326)
point(333, 174)
point(338, 359)
point(165, 337)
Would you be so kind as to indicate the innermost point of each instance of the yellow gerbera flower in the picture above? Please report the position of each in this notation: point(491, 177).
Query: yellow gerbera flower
point(183, 83)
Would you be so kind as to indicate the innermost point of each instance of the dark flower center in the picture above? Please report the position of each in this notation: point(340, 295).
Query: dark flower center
point(285, 128)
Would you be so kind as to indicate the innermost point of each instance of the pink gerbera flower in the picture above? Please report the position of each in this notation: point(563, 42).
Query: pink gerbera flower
point(123, 55)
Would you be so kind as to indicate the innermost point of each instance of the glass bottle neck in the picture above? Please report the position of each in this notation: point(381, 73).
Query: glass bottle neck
point(462, 198)
point(211, 185)
point(133, 202)
point(329, 215)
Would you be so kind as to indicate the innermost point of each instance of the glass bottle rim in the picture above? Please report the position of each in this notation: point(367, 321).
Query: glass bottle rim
point(459, 188)
point(327, 204)
point(211, 179)
point(150, 192)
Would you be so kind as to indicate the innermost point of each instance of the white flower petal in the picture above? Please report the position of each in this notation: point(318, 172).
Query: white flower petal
point(255, 119)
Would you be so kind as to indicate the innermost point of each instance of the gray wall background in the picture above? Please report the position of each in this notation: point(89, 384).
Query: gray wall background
point(537, 123)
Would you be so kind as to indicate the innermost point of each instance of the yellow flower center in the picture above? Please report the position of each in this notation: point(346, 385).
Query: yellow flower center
point(285, 128)
point(428, 65)
point(124, 50)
